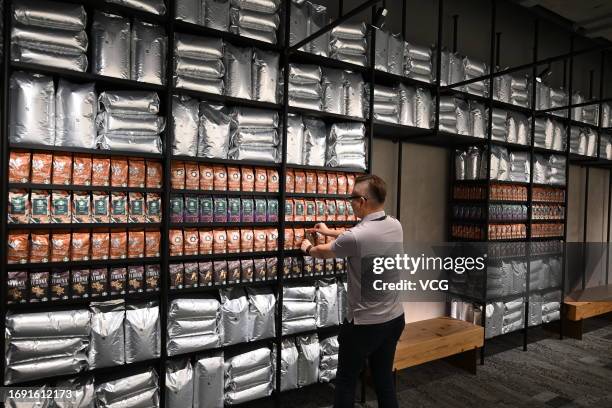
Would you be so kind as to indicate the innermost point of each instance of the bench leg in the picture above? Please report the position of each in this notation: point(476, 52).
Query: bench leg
point(465, 360)
point(573, 329)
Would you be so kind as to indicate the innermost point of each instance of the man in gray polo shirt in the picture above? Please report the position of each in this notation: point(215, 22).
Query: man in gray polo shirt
point(371, 329)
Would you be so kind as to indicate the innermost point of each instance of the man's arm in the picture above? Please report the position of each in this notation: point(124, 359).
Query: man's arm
point(319, 251)
point(344, 245)
point(323, 229)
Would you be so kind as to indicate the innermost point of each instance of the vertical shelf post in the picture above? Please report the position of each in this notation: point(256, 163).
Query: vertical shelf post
point(8, 4)
point(608, 227)
point(165, 230)
point(585, 225)
point(282, 198)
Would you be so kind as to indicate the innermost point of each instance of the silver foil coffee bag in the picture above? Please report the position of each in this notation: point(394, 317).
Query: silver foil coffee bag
point(198, 68)
point(148, 6)
point(179, 384)
point(214, 131)
point(308, 359)
point(130, 124)
point(129, 391)
point(332, 82)
point(299, 23)
point(107, 334)
point(407, 96)
point(317, 20)
point(48, 367)
point(264, 6)
point(299, 293)
point(255, 137)
point(238, 77)
point(185, 123)
point(20, 350)
point(262, 307)
point(130, 143)
point(148, 53)
point(142, 337)
point(30, 55)
point(249, 394)
point(350, 30)
point(196, 47)
point(190, 11)
point(76, 107)
point(327, 304)
point(264, 36)
point(254, 20)
point(32, 109)
point(354, 94)
point(82, 396)
point(50, 14)
point(298, 326)
point(208, 379)
point(234, 316)
point(295, 139)
point(254, 118)
point(111, 45)
point(68, 323)
point(216, 14)
point(264, 75)
point(315, 142)
point(129, 102)
point(45, 39)
point(424, 108)
point(213, 86)
point(249, 361)
point(289, 365)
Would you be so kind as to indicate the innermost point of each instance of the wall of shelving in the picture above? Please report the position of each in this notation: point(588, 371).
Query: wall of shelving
point(516, 43)
point(422, 193)
point(421, 165)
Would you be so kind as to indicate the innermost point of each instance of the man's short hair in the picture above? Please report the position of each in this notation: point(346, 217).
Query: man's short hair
point(377, 188)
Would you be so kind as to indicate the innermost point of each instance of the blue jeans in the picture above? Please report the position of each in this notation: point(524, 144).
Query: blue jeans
point(375, 342)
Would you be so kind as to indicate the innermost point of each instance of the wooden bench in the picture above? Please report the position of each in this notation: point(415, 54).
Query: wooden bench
point(439, 338)
point(583, 304)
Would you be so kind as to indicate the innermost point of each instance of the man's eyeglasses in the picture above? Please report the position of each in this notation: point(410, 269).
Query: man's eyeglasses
point(357, 197)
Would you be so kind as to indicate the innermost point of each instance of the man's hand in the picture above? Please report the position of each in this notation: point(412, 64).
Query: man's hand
point(306, 245)
point(322, 229)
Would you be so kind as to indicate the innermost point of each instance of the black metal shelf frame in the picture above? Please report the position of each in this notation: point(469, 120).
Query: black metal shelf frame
point(451, 140)
point(85, 226)
point(289, 54)
point(74, 187)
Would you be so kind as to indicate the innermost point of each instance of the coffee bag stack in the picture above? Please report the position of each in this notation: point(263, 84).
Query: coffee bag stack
point(305, 86)
point(193, 324)
point(346, 145)
point(248, 376)
point(329, 350)
point(49, 33)
point(129, 120)
point(349, 43)
point(386, 103)
point(299, 309)
point(418, 62)
point(255, 19)
point(306, 19)
point(45, 344)
point(254, 135)
point(198, 63)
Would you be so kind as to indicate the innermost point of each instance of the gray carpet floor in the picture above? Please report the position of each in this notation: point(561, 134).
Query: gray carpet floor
point(551, 374)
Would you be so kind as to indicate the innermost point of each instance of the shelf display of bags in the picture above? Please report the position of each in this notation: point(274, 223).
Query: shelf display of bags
point(49, 33)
